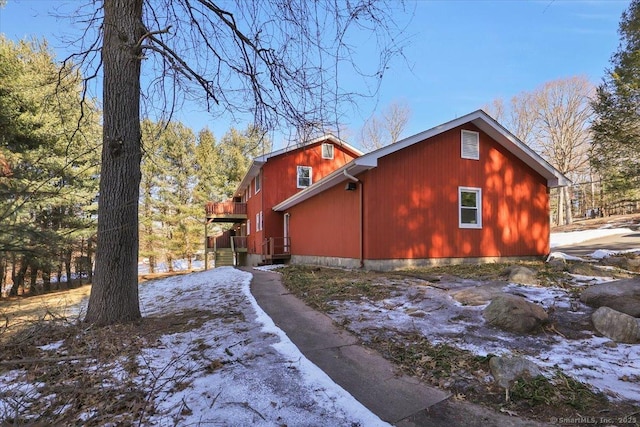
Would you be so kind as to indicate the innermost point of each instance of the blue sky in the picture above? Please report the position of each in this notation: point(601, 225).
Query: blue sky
point(462, 55)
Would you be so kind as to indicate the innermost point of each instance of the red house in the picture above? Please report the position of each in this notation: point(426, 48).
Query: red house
point(464, 191)
point(260, 234)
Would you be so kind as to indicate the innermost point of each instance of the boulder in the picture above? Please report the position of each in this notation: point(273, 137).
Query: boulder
point(620, 295)
point(515, 314)
point(505, 370)
point(585, 269)
point(522, 275)
point(619, 327)
point(479, 295)
point(626, 262)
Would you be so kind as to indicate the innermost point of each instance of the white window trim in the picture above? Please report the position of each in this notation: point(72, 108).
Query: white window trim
point(259, 225)
point(332, 151)
point(298, 176)
point(248, 227)
point(478, 192)
point(462, 151)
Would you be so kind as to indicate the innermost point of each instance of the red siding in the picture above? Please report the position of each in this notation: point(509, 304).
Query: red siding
point(327, 229)
point(411, 203)
point(411, 207)
point(279, 183)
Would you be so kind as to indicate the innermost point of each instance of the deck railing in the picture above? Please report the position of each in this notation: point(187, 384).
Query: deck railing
point(226, 241)
point(226, 208)
point(275, 247)
point(223, 241)
point(238, 242)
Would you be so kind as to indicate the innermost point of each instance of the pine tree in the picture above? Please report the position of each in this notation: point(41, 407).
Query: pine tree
point(616, 128)
point(49, 160)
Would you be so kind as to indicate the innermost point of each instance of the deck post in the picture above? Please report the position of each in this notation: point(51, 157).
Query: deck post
point(206, 245)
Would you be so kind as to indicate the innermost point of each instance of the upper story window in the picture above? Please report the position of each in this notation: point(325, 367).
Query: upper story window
point(327, 151)
point(470, 145)
point(257, 183)
point(304, 176)
point(470, 207)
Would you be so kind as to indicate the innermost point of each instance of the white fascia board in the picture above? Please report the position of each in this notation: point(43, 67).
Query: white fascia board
point(492, 128)
point(258, 162)
point(521, 150)
point(334, 178)
point(253, 171)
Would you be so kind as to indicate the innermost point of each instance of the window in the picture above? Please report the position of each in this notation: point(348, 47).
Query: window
point(327, 151)
point(259, 224)
point(470, 206)
point(248, 227)
point(257, 183)
point(470, 145)
point(304, 176)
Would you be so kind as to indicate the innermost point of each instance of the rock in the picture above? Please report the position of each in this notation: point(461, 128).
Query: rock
point(626, 262)
point(619, 327)
point(515, 314)
point(558, 264)
point(479, 295)
point(522, 275)
point(585, 269)
point(505, 370)
point(620, 295)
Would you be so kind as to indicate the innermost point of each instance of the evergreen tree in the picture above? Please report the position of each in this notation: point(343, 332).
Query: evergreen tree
point(236, 151)
point(49, 162)
point(207, 169)
point(616, 128)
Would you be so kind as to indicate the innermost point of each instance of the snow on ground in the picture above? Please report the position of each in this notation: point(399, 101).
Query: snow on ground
point(432, 312)
point(237, 368)
point(573, 237)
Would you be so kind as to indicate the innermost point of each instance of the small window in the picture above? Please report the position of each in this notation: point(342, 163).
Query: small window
point(248, 227)
point(304, 176)
point(327, 151)
point(257, 183)
point(259, 224)
point(470, 145)
point(470, 207)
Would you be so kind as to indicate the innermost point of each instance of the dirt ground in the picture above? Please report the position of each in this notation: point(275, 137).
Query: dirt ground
point(53, 315)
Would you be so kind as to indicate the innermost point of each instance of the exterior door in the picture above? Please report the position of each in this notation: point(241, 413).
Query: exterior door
point(287, 249)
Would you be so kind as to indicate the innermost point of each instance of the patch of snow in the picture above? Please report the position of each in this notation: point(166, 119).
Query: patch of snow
point(582, 280)
point(605, 253)
point(566, 257)
point(52, 346)
point(270, 267)
point(573, 237)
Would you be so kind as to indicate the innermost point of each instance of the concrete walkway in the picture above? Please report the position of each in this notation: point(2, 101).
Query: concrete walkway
point(374, 381)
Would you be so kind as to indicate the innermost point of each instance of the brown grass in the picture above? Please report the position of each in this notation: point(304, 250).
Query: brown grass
point(458, 371)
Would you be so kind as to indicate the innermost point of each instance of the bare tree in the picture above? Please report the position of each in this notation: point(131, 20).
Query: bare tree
point(386, 128)
point(273, 60)
point(562, 131)
point(554, 120)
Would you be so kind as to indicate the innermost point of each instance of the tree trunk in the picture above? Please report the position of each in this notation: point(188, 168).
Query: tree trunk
point(18, 281)
point(67, 268)
point(90, 260)
point(114, 294)
point(560, 206)
point(569, 208)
